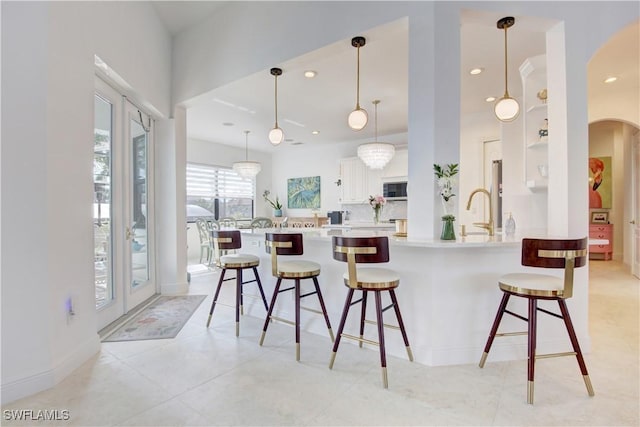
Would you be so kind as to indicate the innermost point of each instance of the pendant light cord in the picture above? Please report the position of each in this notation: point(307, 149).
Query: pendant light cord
point(246, 145)
point(375, 103)
point(506, 91)
point(276, 99)
point(358, 81)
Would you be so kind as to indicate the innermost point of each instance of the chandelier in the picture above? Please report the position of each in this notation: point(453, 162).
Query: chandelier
point(247, 169)
point(376, 154)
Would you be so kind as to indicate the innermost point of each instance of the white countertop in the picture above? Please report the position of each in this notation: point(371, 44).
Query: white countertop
point(361, 225)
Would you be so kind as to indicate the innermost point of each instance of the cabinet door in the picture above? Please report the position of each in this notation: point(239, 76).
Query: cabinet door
point(354, 180)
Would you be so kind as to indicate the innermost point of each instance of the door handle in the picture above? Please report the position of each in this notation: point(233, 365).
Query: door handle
point(129, 234)
point(633, 221)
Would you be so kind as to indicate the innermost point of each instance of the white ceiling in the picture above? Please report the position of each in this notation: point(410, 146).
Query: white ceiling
point(323, 103)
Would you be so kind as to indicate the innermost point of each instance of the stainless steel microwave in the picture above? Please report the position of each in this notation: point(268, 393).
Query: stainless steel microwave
point(396, 190)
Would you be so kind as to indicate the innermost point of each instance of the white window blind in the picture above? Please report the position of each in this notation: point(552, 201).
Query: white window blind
point(214, 182)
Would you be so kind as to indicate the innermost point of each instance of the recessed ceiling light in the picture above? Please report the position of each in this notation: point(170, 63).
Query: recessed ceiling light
point(288, 140)
point(490, 99)
point(315, 132)
point(475, 71)
point(297, 143)
point(310, 74)
point(610, 79)
point(227, 124)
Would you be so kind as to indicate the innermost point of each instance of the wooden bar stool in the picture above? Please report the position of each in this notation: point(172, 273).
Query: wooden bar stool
point(545, 253)
point(356, 250)
point(296, 270)
point(230, 240)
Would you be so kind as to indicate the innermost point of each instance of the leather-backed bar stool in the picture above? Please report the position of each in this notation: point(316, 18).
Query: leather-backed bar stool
point(356, 250)
point(228, 241)
point(281, 244)
point(546, 253)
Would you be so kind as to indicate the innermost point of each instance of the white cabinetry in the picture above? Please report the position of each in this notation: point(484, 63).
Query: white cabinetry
point(533, 73)
point(358, 181)
point(398, 167)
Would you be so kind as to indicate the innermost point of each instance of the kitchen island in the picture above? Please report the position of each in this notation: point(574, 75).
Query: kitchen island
point(448, 296)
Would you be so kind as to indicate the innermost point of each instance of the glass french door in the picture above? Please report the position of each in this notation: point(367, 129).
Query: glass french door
point(123, 245)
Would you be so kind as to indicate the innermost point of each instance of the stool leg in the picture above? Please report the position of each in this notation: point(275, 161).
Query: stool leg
point(343, 319)
point(392, 293)
point(215, 296)
point(533, 316)
point(297, 297)
point(273, 303)
point(264, 299)
point(576, 347)
point(322, 306)
point(494, 328)
point(383, 356)
point(363, 313)
point(238, 299)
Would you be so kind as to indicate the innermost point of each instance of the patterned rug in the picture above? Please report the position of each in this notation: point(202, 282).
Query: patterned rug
point(161, 319)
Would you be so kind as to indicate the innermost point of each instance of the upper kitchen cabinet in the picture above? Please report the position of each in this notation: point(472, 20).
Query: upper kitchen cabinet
point(358, 181)
point(533, 73)
point(398, 167)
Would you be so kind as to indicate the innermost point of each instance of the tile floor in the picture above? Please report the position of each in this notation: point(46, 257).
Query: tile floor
point(210, 378)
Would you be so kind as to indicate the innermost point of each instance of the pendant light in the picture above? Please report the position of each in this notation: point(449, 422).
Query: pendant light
point(358, 118)
point(247, 169)
point(506, 108)
point(376, 154)
point(276, 135)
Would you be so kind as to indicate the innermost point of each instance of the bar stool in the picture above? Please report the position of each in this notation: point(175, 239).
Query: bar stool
point(298, 269)
point(356, 250)
point(545, 253)
point(230, 241)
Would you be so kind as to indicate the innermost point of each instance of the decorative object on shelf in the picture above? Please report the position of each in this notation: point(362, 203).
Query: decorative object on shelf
point(247, 169)
point(358, 118)
point(276, 135)
point(377, 203)
point(275, 204)
point(506, 108)
point(376, 154)
point(510, 225)
point(543, 170)
point(543, 133)
point(542, 96)
point(446, 182)
point(303, 193)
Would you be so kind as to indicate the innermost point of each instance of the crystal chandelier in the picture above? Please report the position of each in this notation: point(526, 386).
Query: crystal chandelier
point(376, 154)
point(247, 169)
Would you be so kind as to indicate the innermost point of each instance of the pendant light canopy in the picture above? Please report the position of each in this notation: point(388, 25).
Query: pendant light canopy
point(376, 154)
point(247, 169)
point(276, 135)
point(506, 108)
point(358, 118)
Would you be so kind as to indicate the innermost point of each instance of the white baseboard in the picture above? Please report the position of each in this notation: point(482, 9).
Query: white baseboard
point(43, 380)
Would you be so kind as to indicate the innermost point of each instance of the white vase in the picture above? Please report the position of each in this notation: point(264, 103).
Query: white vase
point(448, 207)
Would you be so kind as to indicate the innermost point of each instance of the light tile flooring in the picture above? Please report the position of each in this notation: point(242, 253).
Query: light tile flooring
point(210, 377)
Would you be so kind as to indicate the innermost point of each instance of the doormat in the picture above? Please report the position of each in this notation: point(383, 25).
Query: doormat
point(162, 319)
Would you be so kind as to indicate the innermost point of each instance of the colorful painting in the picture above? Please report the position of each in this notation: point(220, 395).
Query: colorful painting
point(600, 182)
point(303, 193)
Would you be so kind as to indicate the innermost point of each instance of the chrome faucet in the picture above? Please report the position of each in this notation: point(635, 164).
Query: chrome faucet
point(486, 225)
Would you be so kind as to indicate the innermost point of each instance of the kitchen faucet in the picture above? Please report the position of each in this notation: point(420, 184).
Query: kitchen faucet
point(486, 225)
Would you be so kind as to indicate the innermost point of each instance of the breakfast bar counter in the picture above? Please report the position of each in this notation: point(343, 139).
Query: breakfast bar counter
point(448, 295)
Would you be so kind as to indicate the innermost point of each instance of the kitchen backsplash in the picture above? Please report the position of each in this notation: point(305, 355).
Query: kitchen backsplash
point(364, 212)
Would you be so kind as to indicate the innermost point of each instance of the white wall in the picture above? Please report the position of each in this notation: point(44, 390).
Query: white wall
point(48, 80)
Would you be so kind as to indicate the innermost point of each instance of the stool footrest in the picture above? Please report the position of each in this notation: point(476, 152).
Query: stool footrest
point(353, 337)
point(313, 310)
point(550, 313)
point(280, 319)
point(308, 294)
point(550, 355)
point(285, 290)
point(386, 325)
point(511, 334)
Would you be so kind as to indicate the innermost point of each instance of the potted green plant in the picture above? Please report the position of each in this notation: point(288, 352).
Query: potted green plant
point(275, 204)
